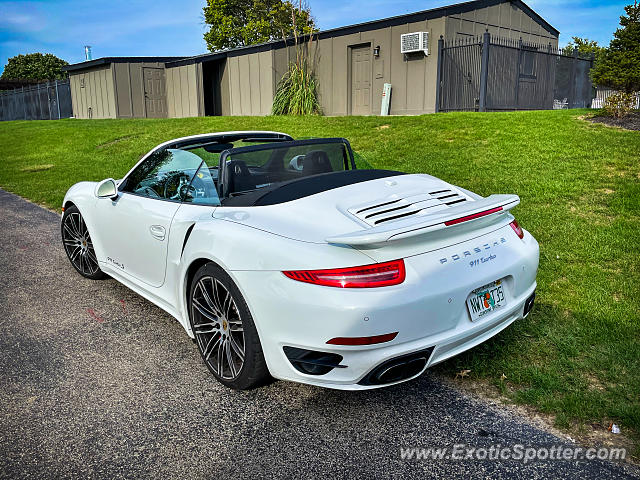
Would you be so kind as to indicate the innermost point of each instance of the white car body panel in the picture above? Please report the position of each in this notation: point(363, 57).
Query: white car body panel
point(147, 223)
point(256, 244)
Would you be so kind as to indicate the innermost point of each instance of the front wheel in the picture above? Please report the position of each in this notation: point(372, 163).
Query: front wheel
point(224, 330)
point(78, 245)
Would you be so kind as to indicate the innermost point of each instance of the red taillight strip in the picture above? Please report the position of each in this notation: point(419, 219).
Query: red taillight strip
point(387, 337)
point(366, 276)
point(455, 221)
point(516, 228)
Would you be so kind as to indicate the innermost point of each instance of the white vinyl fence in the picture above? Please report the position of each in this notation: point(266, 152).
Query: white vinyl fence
point(604, 93)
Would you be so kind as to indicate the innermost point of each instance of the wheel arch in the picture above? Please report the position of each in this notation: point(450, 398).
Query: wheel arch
point(187, 281)
point(188, 277)
point(191, 272)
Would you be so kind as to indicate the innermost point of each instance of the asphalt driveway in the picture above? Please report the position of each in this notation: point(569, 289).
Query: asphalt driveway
point(97, 382)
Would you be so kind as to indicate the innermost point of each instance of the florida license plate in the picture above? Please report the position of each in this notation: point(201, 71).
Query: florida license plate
point(486, 299)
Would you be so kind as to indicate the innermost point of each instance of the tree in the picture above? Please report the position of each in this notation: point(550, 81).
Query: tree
point(236, 23)
point(35, 66)
point(585, 47)
point(618, 67)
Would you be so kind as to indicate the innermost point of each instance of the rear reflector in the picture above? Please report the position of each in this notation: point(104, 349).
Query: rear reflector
point(517, 228)
point(366, 276)
point(387, 337)
point(473, 216)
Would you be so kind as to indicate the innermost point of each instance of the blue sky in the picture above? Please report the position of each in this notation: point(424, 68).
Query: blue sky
point(165, 27)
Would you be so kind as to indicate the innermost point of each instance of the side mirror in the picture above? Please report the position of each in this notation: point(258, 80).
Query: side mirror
point(107, 189)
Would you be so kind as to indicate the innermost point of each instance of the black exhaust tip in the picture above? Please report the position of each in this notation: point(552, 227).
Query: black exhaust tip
point(528, 304)
point(397, 369)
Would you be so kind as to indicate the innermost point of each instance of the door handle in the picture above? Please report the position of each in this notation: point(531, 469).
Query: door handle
point(157, 231)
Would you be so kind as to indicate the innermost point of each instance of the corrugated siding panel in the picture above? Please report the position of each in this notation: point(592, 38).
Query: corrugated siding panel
point(381, 66)
point(96, 95)
point(74, 81)
point(416, 75)
point(184, 91)
point(436, 29)
point(265, 62)
point(123, 90)
point(398, 72)
point(171, 105)
point(324, 69)
point(234, 85)
point(504, 20)
point(253, 74)
point(245, 85)
point(225, 92)
point(192, 99)
point(137, 90)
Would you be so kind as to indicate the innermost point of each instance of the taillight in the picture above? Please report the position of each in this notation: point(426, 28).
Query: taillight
point(366, 276)
point(517, 228)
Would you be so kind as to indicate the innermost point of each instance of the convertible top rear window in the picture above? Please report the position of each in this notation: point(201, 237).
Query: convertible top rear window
point(258, 167)
point(304, 187)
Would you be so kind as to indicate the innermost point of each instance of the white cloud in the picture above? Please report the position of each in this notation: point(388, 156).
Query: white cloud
point(20, 17)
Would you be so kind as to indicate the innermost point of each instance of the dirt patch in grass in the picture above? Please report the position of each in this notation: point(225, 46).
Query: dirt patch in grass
point(114, 141)
point(37, 168)
point(630, 122)
point(595, 434)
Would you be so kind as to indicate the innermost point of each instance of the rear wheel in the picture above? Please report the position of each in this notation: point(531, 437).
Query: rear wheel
point(224, 330)
point(78, 245)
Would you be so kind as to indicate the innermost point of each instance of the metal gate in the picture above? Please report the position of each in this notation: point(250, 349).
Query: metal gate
point(485, 74)
point(459, 70)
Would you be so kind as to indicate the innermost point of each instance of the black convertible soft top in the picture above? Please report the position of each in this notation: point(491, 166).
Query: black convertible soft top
point(304, 187)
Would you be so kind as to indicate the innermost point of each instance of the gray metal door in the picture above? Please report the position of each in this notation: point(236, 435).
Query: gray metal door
point(155, 95)
point(361, 80)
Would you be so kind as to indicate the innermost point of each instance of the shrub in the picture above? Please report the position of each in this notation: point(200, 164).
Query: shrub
point(297, 91)
point(619, 104)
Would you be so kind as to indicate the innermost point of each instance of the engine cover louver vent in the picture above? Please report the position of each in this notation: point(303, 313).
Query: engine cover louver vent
point(387, 210)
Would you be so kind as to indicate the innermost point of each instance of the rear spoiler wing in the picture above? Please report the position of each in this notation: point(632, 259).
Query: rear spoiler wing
point(419, 225)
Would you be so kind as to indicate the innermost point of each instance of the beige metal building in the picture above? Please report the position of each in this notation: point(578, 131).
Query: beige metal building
point(119, 87)
point(352, 64)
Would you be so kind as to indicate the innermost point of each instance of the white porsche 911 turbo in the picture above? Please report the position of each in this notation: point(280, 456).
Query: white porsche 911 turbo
point(281, 259)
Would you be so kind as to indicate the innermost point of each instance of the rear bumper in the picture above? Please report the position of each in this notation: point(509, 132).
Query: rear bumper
point(428, 310)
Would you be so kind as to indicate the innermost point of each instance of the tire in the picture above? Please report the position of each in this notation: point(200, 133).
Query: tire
point(78, 245)
point(224, 330)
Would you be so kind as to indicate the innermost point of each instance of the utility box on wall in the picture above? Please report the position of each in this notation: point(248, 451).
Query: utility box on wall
point(386, 99)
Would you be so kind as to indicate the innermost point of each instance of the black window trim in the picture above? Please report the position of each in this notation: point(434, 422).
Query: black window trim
point(268, 137)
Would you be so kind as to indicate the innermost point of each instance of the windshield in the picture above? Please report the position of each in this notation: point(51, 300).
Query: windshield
point(251, 168)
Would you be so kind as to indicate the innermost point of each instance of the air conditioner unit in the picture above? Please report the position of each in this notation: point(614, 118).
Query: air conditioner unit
point(414, 42)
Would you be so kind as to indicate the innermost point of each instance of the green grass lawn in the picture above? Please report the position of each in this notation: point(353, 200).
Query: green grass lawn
point(577, 356)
